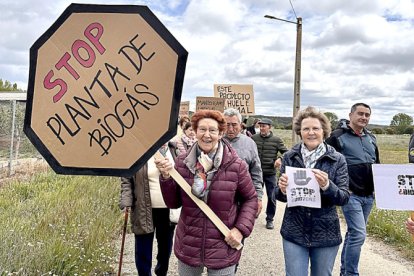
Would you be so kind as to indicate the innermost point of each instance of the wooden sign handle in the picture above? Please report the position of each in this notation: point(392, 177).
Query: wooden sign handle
point(201, 204)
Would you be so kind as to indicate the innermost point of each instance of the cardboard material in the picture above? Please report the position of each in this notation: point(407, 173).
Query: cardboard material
point(184, 109)
point(104, 86)
point(238, 96)
point(210, 103)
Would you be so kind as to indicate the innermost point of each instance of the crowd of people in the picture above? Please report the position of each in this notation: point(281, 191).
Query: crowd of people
point(228, 165)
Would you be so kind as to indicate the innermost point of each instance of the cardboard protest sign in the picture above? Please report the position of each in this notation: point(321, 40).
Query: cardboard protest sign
point(302, 189)
point(104, 89)
point(184, 109)
point(238, 96)
point(394, 186)
point(210, 103)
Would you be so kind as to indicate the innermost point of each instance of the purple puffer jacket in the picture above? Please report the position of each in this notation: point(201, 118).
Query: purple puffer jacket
point(232, 197)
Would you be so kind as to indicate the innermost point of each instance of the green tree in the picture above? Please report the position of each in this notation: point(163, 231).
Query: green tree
point(6, 110)
point(332, 118)
point(8, 86)
point(401, 121)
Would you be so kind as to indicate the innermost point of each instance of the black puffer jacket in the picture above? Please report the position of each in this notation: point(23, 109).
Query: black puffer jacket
point(316, 227)
point(268, 148)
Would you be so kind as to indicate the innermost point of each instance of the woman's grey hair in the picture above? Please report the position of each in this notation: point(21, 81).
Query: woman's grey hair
point(312, 112)
point(230, 112)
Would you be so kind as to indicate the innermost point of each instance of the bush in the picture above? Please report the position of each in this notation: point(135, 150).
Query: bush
point(390, 130)
point(377, 130)
point(408, 130)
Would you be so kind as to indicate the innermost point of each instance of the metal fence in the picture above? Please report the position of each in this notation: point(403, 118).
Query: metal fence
point(15, 147)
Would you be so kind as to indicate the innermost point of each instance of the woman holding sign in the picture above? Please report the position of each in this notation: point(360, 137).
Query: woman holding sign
point(221, 179)
point(313, 233)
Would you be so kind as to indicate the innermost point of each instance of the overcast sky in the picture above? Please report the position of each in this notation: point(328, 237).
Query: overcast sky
point(352, 51)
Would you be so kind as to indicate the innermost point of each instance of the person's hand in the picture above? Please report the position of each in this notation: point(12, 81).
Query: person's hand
point(234, 238)
point(283, 183)
point(164, 166)
point(259, 207)
point(321, 177)
point(278, 163)
point(409, 224)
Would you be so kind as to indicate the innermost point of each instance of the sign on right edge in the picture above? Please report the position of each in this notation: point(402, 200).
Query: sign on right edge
point(394, 186)
point(238, 96)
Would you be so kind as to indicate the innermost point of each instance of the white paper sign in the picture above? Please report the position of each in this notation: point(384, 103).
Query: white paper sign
point(302, 189)
point(394, 186)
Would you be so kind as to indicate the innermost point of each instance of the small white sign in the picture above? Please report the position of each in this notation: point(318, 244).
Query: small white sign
point(394, 186)
point(302, 189)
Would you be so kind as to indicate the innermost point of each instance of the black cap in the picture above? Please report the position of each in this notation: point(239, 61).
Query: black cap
point(265, 121)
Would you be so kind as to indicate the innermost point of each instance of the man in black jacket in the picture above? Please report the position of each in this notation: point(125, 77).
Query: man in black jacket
point(268, 147)
point(359, 146)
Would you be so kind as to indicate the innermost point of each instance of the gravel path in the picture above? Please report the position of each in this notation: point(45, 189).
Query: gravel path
point(263, 254)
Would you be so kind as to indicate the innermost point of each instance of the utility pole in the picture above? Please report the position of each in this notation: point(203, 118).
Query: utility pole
point(296, 86)
point(298, 58)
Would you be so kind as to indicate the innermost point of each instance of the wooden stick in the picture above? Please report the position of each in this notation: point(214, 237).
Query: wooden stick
point(123, 241)
point(201, 204)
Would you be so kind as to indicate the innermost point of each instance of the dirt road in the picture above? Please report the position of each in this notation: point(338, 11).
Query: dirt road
point(263, 255)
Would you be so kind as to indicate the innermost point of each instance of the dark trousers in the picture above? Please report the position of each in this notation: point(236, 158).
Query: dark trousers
point(270, 182)
point(164, 233)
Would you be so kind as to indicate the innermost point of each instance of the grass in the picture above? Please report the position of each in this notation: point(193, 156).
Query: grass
point(61, 225)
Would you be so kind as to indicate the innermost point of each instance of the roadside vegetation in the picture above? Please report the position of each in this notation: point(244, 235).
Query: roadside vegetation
point(59, 225)
point(66, 225)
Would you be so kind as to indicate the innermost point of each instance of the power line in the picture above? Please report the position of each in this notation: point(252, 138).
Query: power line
point(293, 9)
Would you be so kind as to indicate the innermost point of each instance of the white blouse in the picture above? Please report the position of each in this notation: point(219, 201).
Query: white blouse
point(157, 201)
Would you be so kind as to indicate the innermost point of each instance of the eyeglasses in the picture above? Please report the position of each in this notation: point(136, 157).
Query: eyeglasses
point(212, 131)
point(313, 129)
point(233, 125)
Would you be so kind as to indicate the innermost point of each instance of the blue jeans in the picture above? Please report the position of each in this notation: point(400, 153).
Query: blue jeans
point(164, 233)
point(270, 182)
point(297, 258)
point(356, 213)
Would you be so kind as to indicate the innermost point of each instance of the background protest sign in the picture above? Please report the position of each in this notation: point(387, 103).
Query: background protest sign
point(104, 89)
point(394, 186)
point(238, 96)
point(210, 103)
point(302, 189)
point(184, 109)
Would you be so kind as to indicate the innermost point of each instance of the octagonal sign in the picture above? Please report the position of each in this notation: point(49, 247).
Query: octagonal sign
point(104, 89)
